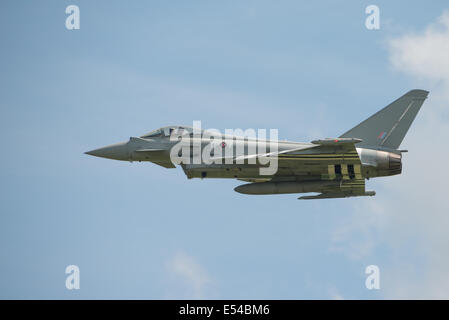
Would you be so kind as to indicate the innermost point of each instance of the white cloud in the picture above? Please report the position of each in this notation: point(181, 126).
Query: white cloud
point(334, 294)
point(192, 280)
point(424, 54)
point(409, 218)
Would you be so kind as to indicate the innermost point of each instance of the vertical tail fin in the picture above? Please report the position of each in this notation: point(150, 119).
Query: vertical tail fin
point(388, 127)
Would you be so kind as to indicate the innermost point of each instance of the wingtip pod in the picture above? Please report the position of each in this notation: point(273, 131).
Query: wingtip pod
point(336, 141)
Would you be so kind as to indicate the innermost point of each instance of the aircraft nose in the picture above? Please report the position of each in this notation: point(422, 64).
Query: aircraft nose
point(118, 151)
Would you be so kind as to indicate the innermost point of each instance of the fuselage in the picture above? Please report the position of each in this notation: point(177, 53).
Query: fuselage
point(333, 167)
point(306, 164)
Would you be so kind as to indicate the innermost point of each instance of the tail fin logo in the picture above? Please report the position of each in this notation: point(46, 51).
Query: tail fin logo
point(381, 135)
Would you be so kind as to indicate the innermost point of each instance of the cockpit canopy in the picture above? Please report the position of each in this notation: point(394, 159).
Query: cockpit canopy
point(168, 131)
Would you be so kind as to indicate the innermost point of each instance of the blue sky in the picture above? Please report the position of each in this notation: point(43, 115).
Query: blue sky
point(311, 70)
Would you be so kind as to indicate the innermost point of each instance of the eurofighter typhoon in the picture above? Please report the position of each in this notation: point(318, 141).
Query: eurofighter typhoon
point(331, 167)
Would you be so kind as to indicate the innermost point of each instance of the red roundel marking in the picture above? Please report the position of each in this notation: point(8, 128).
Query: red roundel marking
point(223, 144)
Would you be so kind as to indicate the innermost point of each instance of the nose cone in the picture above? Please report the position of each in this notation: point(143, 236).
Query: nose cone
point(118, 151)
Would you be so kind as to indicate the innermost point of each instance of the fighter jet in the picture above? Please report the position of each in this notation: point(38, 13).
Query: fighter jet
point(332, 167)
